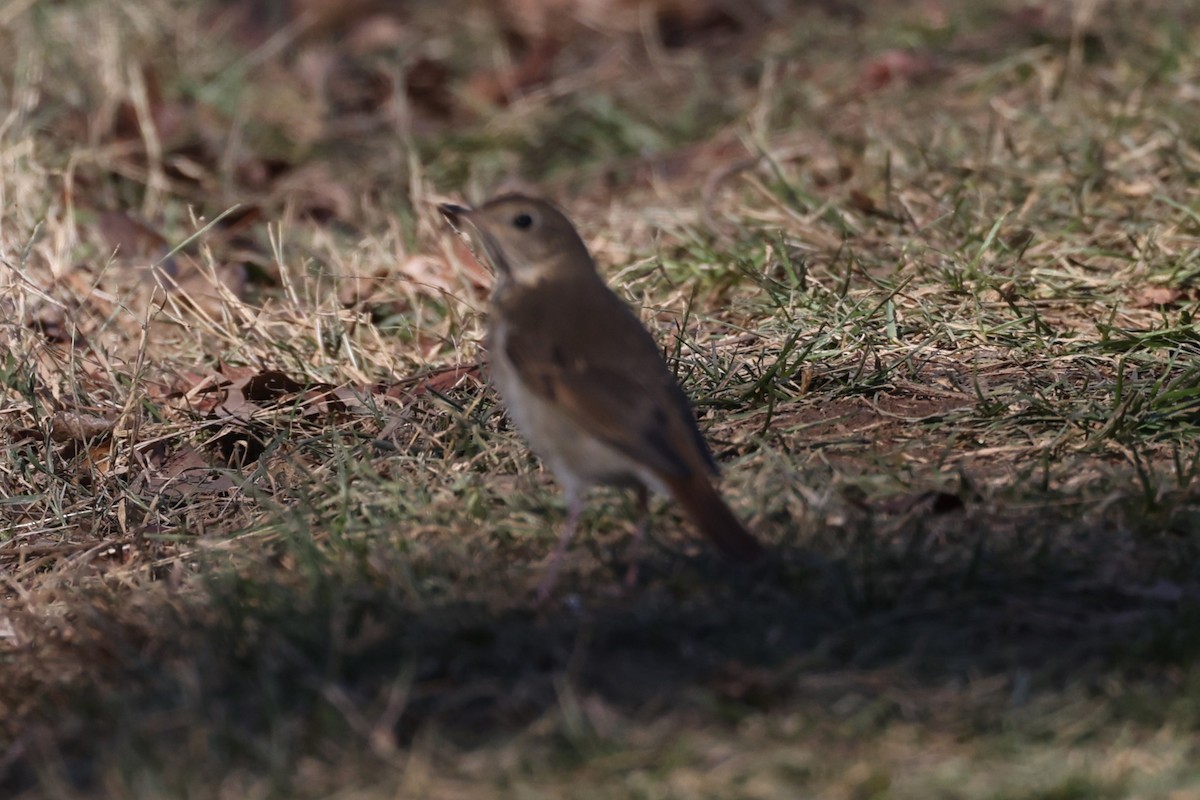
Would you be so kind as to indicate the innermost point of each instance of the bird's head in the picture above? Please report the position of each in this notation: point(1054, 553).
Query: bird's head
point(527, 240)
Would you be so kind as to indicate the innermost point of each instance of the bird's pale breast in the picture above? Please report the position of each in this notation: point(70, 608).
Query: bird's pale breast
point(576, 458)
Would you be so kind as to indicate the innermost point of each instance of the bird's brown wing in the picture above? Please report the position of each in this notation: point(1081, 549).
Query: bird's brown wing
point(595, 361)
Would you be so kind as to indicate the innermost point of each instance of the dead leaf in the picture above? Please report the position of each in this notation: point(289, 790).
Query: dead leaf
point(932, 502)
point(241, 443)
point(839, 174)
point(890, 66)
point(355, 290)
point(678, 21)
point(183, 475)
point(436, 381)
point(934, 15)
point(533, 19)
point(533, 69)
point(243, 393)
point(863, 202)
point(270, 387)
point(286, 117)
point(130, 237)
point(79, 426)
point(315, 193)
point(331, 16)
point(100, 458)
point(356, 86)
point(139, 246)
point(684, 164)
point(1155, 296)
point(170, 119)
point(1057, 24)
point(53, 322)
point(689, 24)
point(1138, 188)
point(325, 398)
point(1018, 238)
point(430, 272)
point(479, 276)
point(427, 85)
point(206, 288)
point(375, 33)
point(204, 392)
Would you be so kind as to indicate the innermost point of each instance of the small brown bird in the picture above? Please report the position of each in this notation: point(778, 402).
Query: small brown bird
point(583, 379)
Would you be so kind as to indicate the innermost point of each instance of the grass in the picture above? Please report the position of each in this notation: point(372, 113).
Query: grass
point(928, 274)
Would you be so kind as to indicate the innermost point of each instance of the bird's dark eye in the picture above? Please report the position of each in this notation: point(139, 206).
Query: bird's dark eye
point(522, 221)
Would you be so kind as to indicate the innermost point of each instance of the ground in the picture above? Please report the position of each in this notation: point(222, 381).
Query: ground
point(929, 274)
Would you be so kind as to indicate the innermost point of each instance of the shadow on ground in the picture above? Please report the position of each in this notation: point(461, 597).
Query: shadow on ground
point(265, 666)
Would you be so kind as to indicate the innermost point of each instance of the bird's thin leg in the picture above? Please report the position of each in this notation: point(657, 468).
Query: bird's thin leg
point(574, 510)
point(639, 535)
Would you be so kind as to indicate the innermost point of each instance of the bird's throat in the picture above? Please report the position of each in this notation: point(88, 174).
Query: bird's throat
point(495, 254)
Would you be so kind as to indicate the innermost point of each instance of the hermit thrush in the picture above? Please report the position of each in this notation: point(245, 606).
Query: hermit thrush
point(583, 379)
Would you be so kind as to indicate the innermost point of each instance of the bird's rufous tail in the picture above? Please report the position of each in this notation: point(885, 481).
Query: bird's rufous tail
point(708, 512)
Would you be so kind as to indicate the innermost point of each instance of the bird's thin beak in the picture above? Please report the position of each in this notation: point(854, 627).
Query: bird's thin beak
point(455, 214)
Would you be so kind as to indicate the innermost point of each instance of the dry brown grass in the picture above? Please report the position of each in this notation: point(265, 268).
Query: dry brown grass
point(929, 274)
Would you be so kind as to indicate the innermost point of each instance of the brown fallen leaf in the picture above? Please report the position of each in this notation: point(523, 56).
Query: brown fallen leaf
point(355, 290)
point(533, 19)
point(79, 426)
point(1137, 188)
point(131, 237)
point(355, 86)
point(205, 288)
point(681, 166)
point(143, 250)
point(1059, 25)
point(231, 399)
point(101, 457)
point(863, 202)
point(286, 118)
point(202, 392)
point(437, 273)
point(270, 387)
point(376, 33)
point(427, 86)
point(694, 23)
point(242, 393)
point(56, 323)
point(440, 380)
point(324, 17)
point(675, 19)
point(890, 66)
point(316, 193)
point(183, 475)
point(932, 502)
point(77, 433)
point(479, 276)
point(191, 385)
point(533, 69)
point(169, 118)
point(1154, 296)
